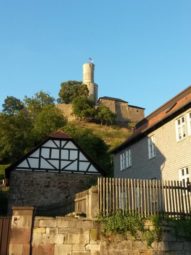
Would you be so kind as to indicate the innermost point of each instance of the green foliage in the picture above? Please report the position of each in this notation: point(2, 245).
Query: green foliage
point(71, 90)
point(36, 103)
point(21, 131)
point(83, 108)
point(14, 131)
point(49, 119)
point(122, 223)
point(12, 105)
point(2, 171)
point(93, 145)
point(181, 228)
point(104, 115)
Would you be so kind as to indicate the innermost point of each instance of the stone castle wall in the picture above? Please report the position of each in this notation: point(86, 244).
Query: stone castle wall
point(135, 113)
point(123, 111)
point(50, 193)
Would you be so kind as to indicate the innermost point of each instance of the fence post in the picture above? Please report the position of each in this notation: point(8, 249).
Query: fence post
point(21, 230)
point(93, 204)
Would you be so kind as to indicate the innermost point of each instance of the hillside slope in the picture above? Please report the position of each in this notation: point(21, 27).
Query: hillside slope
point(112, 135)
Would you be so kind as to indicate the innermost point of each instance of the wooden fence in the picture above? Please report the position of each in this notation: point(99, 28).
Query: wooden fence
point(144, 197)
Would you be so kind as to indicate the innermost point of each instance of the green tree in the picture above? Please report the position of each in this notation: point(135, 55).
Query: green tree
point(38, 101)
point(83, 108)
point(104, 115)
point(12, 105)
point(49, 119)
point(70, 90)
point(15, 136)
point(93, 145)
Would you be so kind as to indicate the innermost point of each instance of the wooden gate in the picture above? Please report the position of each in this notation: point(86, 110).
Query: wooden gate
point(4, 234)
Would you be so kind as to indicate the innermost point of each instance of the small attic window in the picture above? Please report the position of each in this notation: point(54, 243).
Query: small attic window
point(171, 107)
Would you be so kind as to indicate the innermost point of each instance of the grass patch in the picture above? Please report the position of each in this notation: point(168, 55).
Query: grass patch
point(112, 135)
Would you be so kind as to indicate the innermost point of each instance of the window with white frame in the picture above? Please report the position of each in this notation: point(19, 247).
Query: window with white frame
point(128, 158)
point(189, 123)
point(184, 175)
point(151, 147)
point(125, 159)
point(122, 161)
point(180, 128)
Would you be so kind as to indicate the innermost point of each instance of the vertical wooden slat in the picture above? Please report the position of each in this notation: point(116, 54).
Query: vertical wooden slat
point(119, 191)
point(129, 196)
point(113, 197)
point(147, 198)
point(172, 191)
point(110, 198)
point(178, 183)
point(106, 196)
point(177, 209)
point(182, 199)
point(186, 197)
point(132, 196)
point(103, 194)
point(126, 195)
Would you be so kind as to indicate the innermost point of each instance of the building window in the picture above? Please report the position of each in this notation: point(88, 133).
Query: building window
point(128, 158)
point(180, 128)
point(122, 161)
point(184, 175)
point(151, 147)
point(125, 160)
point(189, 123)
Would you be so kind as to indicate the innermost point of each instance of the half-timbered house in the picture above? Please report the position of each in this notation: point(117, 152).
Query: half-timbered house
point(49, 176)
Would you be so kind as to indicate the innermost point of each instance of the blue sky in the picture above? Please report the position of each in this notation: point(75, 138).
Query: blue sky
point(141, 48)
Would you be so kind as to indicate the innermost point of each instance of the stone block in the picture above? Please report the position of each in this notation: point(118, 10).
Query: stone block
point(94, 235)
point(79, 238)
point(49, 222)
point(93, 247)
point(20, 236)
point(85, 224)
point(19, 249)
point(39, 230)
point(81, 253)
point(48, 238)
point(139, 245)
point(37, 238)
point(59, 239)
point(78, 247)
point(47, 249)
point(63, 249)
point(66, 222)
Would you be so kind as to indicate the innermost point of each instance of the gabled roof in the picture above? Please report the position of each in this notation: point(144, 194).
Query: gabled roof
point(160, 116)
point(57, 136)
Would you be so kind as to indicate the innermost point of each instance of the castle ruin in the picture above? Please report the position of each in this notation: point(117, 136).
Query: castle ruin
point(124, 112)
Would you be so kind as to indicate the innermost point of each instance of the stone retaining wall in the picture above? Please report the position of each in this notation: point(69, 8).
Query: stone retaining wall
point(71, 236)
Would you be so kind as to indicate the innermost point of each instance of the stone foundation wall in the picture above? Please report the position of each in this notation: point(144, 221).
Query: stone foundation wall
point(49, 193)
point(65, 236)
point(71, 236)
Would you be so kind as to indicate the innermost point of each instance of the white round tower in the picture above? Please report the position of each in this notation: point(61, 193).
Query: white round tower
point(88, 79)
